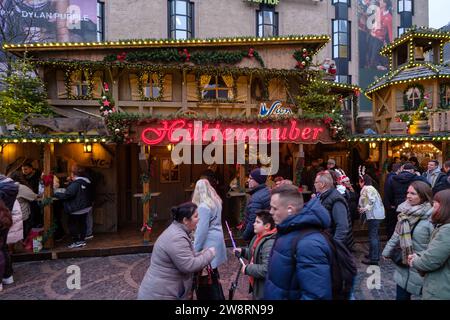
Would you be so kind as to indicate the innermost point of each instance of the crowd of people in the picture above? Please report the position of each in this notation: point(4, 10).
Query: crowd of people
point(295, 249)
point(20, 211)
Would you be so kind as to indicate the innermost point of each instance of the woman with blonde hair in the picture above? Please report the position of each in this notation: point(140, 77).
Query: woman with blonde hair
point(209, 232)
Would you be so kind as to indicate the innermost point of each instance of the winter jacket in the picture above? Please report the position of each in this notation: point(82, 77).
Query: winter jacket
point(15, 233)
point(3, 251)
point(435, 262)
point(309, 276)
point(209, 233)
point(8, 191)
point(442, 183)
point(258, 270)
point(387, 190)
point(433, 176)
point(78, 195)
point(408, 278)
point(173, 263)
point(371, 201)
point(259, 200)
point(341, 220)
point(24, 197)
point(399, 187)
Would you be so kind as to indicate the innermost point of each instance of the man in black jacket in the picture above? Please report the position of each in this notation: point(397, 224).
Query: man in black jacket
point(335, 203)
point(77, 204)
point(443, 181)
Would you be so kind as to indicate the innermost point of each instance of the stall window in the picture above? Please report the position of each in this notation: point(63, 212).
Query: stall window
point(445, 96)
point(413, 98)
point(150, 86)
point(216, 87)
point(181, 13)
point(80, 83)
point(169, 171)
point(266, 21)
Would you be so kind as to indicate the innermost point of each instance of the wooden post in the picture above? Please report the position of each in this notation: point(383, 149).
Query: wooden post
point(299, 160)
point(48, 193)
point(146, 190)
point(383, 157)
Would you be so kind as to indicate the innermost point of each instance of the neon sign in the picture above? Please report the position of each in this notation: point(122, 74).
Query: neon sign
point(276, 109)
point(175, 131)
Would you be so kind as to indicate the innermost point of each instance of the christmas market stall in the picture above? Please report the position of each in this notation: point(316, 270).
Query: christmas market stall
point(143, 90)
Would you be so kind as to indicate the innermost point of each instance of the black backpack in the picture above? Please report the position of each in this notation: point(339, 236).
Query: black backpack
point(343, 264)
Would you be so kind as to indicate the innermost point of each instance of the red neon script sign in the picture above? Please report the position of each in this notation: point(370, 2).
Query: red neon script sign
point(165, 131)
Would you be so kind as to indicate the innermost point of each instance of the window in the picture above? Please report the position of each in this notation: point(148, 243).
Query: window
point(405, 6)
point(341, 39)
point(100, 21)
point(150, 86)
point(341, 1)
point(401, 30)
point(343, 79)
point(266, 22)
point(445, 96)
point(80, 83)
point(181, 13)
point(413, 98)
point(217, 87)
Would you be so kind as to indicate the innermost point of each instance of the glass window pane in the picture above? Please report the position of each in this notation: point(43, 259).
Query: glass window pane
point(342, 25)
point(400, 5)
point(181, 7)
point(222, 94)
point(180, 35)
point(408, 5)
point(260, 31)
point(268, 17)
point(343, 38)
point(335, 52)
point(181, 22)
point(343, 51)
point(268, 31)
point(336, 38)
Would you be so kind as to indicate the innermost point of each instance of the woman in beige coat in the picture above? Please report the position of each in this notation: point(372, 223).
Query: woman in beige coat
point(173, 261)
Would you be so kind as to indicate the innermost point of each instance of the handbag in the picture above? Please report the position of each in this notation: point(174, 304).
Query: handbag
point(396, 254)
point(207, 286)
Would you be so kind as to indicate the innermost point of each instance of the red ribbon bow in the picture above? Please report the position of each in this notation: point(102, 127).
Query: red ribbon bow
point(251, 52)
point(121, 57)
point(48, 180)
point(105, 86)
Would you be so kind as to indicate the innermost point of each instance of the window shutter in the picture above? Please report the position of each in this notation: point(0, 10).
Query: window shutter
point(191, 88)
point(167, 90)
point(277, 90)
point(134, 87)
point(242, 89)
point(60, 85)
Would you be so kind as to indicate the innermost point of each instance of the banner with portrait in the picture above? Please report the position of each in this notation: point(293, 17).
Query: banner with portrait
point(375, 30)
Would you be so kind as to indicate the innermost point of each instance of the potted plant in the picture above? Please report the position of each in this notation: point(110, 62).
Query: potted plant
point(420, 119)
point(400, 125)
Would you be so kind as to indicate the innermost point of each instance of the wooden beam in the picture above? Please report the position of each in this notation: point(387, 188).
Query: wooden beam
point(146, 206)
point(48, 193)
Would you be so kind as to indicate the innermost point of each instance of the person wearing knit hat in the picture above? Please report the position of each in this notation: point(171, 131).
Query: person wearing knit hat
point(258, 176)
point(259, 200)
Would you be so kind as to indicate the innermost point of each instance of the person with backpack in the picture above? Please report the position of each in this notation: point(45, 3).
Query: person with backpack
point(434, 262)
point(258, 253)
point(337, 207)
point(412, 235)
point(77, 204)
point(306, 263)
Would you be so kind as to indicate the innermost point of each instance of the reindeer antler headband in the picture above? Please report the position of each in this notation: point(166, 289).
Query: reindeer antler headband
point(362, 171)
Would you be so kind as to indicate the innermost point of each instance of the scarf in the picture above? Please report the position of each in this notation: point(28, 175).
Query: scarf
point(409, 216)
point(258, 239)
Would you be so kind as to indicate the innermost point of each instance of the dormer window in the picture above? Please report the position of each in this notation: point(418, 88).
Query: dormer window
point(419, 54)
point(413, 97)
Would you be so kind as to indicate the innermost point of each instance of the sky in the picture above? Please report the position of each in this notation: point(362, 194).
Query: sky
point(439, 11)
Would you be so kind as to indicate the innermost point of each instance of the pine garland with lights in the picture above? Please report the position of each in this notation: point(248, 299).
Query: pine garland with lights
point(303, 57)
point(184, 56)
point(106, 102)
point(406, 102)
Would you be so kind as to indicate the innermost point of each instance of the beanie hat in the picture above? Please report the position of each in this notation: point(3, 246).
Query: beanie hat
point(409, 166)
point(258, 176)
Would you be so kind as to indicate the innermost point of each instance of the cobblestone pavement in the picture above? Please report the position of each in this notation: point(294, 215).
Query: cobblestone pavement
point(118, 277)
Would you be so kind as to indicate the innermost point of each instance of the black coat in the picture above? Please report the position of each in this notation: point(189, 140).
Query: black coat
point(442, 183)
point(8, 191)
point(78, 195)
point(260, 200)
point(399, 186)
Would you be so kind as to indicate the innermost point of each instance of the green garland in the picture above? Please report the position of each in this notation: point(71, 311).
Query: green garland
point(46, 202)
point(160, 77)
point(406, 102)
point(146, 198)
point(106, 102)
point(68, 83)
point(182, 56)
point(303, 57)
point(145, 178)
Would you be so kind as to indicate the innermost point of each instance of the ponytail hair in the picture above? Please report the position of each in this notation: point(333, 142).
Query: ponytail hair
point(5, 217)
point(184, 210)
